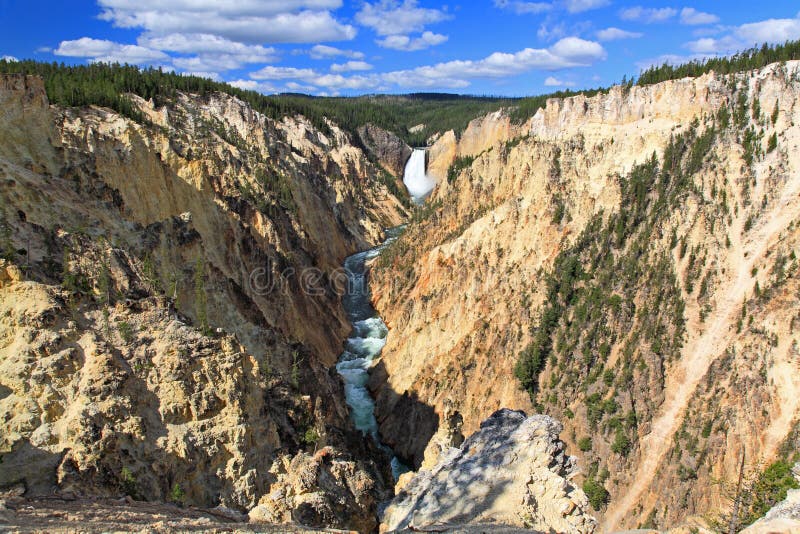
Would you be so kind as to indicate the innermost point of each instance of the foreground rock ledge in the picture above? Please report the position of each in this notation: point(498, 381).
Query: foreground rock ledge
point(512, 472)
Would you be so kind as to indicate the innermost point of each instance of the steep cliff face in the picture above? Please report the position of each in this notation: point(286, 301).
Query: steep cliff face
point(481, 134)
point(636, 252)
point(117, 236)
point(390, 151)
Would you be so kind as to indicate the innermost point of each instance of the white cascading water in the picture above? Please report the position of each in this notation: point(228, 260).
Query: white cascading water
point(363, 346)
point(418, 183)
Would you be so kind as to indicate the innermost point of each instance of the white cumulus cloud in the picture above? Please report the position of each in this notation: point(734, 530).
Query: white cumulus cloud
point(615, 34)
point(339, 82)
point(456, 74)
point(212, 36)
point(206, 43)
point(648, 15)
point(121, 8)
point(579, 6)
point(692, 17)
point(766, 31)
point(109, 51)
point(351, 66)
point(711, 46)
point(321, 51)
point(552, 81)
point(771, 30)
point(409, 44)
point(215, 53)
point(253, 85)
point(391, 17)
point(568, 52)
point(282, 73)
point(523, 8)
point(300, 88)
point(247, 21)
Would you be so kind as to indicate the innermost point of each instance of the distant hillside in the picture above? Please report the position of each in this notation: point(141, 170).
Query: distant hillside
point(107, 85)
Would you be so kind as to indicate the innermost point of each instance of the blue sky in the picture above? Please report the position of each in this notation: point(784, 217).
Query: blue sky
point(498, 47)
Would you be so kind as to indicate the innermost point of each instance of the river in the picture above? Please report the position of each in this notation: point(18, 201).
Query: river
point(365, 343)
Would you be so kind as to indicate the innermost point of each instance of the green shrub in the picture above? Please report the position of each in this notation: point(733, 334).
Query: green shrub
point(458, 165)
point(772, 144)
point(585, 444)
point(150, 273)
point(621, 445)
point(707, 427)
point(125, 331)
point(176, 494)
point(596, 492)
point(559, 209)
point(128, 482)
point(294, 376)
point(770, 488)
point(686, 473)
point(310, 437)
point(608, 377)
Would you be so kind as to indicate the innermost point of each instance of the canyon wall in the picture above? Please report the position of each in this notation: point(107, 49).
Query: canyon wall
point(481, 134)
point(626, 264)
point(389, 150)
point(169, 318)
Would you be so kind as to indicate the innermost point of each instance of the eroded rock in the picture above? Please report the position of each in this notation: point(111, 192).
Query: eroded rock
point(513, 472)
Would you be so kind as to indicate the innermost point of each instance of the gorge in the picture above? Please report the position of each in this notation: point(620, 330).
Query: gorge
point(580, 318)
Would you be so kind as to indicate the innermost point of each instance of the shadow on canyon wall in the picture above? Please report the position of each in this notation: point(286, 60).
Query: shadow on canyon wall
point(405, 423)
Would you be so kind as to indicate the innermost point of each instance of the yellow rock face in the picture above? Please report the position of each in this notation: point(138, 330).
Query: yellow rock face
point(142, 349)
point(463, 291)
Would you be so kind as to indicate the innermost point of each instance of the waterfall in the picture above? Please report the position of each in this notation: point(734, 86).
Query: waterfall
point(418, 183)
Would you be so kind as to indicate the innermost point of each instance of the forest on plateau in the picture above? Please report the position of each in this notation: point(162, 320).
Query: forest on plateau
point(109, 85)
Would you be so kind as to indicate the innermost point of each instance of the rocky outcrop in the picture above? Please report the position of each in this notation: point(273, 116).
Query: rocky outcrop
point(390, 151)
point(481, 134)
point(512, 472)
point(441, 155)
point(318, 490)
point(168, 324)
point(661, 349)
point(783, 517)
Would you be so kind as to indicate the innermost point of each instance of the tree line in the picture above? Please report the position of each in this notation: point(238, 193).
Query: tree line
point(109, 85)
point(753, 58)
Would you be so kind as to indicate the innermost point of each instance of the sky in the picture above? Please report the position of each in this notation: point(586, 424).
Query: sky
point(343, 47)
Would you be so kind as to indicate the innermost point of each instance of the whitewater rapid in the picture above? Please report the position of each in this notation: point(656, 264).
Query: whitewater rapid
point(364, 345)
point(418, 183)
